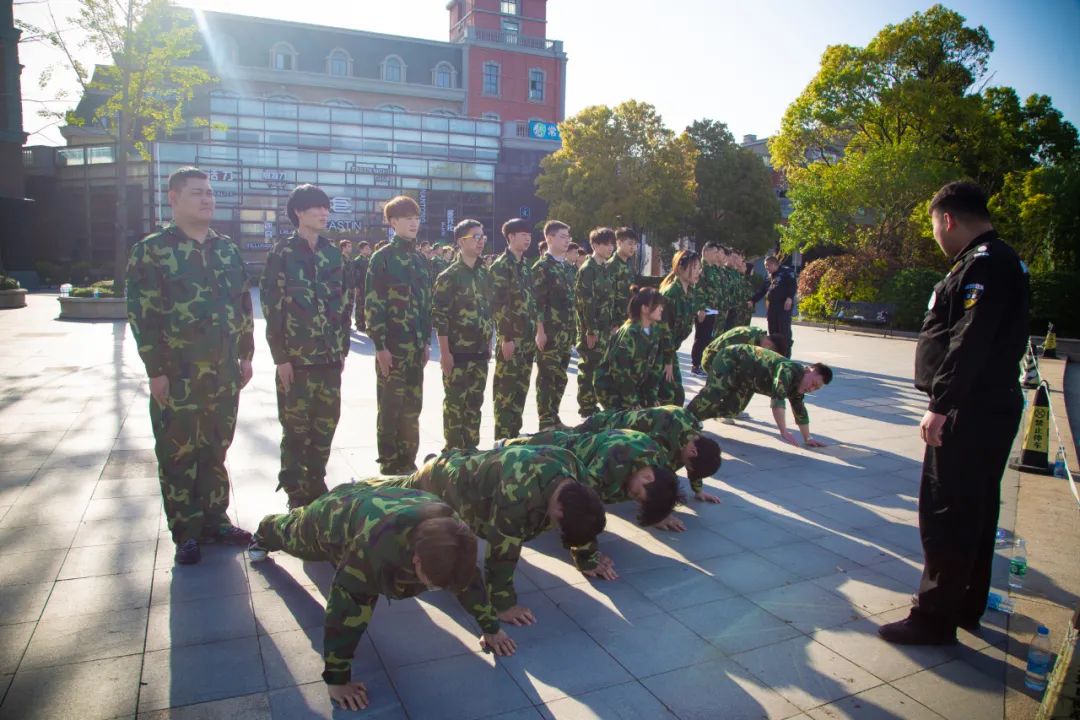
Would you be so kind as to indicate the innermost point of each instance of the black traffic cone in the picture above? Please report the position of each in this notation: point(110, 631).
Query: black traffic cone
point(1030, 376)
point(1050, 343)
point(1034, 457)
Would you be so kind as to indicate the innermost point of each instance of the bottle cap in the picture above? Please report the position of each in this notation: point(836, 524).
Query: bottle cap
point(1043, 630)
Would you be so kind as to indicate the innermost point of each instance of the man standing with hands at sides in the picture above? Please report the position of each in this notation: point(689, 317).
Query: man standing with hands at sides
point(623, 276)
point(553, 280)
point(514, 308)
point(592, 296)
point(190, 313)
point(779, 296)
point(461, 313)
point(359, 281)
point(710, 294)
point(972, 340)
point(739, 291)
point(398, 313)
point(304, 295)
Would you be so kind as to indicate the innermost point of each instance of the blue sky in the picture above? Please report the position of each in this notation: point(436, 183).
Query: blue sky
point(738, 61)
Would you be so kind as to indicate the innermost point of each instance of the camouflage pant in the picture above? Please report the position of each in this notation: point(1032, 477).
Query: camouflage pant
point(463, 402)
point(551, 364)
point(359, 304)
point(191, 437)
point(296, 533)
point(511, 387)
point(672, 393)
point(588, 362)
point(723, 396)
point(309, 414)
point(400, 398)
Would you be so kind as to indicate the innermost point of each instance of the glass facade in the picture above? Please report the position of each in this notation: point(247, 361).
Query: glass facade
point(260, 149)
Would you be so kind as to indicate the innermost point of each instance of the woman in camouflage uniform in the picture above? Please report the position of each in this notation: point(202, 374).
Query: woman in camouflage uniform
point(629, 374)
point(677, 322)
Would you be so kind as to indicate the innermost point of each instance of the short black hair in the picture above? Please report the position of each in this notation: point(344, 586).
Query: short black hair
point(583, 516)
point(707, 461)
point(772, 259)
point(963, 199)
point(179, 177)
point(573, 247)
point(515, 226)
point(823, 370)
point(625, 233)
point(714, 244)
point(462, 228)
point(602, 236)
point(553, 226)
point(781, 343)
point(362, 244)
point(660, 496)
point(304, 197)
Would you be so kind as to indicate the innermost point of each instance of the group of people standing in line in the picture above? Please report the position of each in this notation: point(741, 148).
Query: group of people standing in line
point(413, 529)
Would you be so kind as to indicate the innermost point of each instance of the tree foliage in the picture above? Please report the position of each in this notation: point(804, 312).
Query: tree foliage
point(881, 127)
point(734, 199)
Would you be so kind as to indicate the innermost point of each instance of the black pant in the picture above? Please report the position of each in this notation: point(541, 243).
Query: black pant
point(703, 333)
point(958, 510)
point(779, 321)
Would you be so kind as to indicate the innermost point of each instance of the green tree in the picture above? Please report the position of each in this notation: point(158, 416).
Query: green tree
point(621, 162)
point(1038, 210)
point(146, 88)
point(735, 201)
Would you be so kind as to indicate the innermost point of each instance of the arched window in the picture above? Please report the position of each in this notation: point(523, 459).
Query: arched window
point(283, 56)
point(281, 106)
point(443, 113)
point(339, 63)
point(393, 69)
point(391, 108)
point(444, 75)
point(338, 102)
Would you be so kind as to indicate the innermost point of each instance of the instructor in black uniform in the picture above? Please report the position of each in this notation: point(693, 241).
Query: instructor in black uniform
point(967, 361)
point(779, 294)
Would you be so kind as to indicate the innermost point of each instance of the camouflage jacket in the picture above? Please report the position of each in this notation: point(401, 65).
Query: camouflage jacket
point(503, 495)
point(190, 309)
point(622, 278)
point(513, 298)
point(739, 371)
point(437, 266)
point(740, 291)
point(670, 426)
point(461, 308)
point(305, 300)
point(678, 320)
point(711, 290)
point(365, 532)
point(592, 299)
point(629, 374)
point(553, 282)
point(397, 302)
point(745, 335)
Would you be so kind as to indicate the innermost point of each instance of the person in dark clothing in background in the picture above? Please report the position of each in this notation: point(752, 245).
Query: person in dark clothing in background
point(779, 296)
point(972, 340)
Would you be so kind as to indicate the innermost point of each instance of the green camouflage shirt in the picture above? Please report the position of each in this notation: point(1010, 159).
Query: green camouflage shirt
point(593, 288)
point(513, 298)
point(622, 278)
point(437, 266)
point(190, 309)
point(364, 532)
point(711, 290)
point(629, 374)
point(461, 308)
point(305, 300)
point(738, 371)
point(553, 282)
point(739, 293)
point(398, 300)
point(745, 335)
point(678, 320)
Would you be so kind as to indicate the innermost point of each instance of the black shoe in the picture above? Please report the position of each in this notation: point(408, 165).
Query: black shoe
point(429, 457)
point(972, 626)
point(698, 371)
point(912, 631)
point(188, 552)
point(230, 535)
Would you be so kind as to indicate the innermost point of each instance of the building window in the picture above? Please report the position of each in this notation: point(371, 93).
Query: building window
point(510, 7)
point(536, 85)
point(444, 75)
point(283, 57)
point(393, 69)
point(338, 63)
point(511, 29)
point(338, 102)
point(494, 117)
point(443, 113)
point(391, 108)
point(491, 78)
point(229, 50)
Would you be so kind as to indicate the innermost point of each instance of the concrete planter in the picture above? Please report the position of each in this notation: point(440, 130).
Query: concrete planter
point(73, 308)
point(13, 298)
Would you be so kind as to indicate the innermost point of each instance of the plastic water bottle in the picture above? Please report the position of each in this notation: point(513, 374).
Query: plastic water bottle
point(1018, 564)
point(1039, 659)
point(1000, 603)
point(1002, 539)
point(1059, 465)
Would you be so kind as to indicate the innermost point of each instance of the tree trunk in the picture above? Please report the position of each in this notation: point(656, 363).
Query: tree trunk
point(120, 251)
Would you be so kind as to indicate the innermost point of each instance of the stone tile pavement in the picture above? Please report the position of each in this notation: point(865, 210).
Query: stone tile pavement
point(766, 607)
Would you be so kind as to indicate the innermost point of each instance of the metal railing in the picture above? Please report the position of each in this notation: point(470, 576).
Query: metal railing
point(501, 37)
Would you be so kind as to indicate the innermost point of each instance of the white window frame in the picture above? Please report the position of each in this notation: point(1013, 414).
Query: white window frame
point(339, 52)
point(498, 79)
point(516, 7)
point(284, 48)
point(443, 65)
point(385, 63)
point(543, 85)
point(340, 103)
point(391, 108)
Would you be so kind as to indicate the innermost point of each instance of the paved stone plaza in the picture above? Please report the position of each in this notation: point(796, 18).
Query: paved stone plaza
point(766, 607)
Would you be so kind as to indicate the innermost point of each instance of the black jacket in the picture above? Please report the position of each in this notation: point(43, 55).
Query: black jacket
point(780, 287)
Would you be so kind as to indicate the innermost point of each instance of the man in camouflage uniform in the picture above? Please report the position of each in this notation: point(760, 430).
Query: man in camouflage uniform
point(593, 289)
point(304, 294)
point(740, 290)
point(390, 541)
point(739, 371)
point(747, 335)
point(679, 435)
point(553, 281)
point(710, 293)
point(461, 313)
point(190, 313)
point(623, 276)
point(359, 281)
point(398, 313)
point(507, 497)
point(514, 307)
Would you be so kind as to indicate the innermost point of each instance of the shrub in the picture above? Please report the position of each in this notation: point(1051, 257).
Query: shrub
point(1055, 298)
point(842, 277)
point(810, 277)
point(8, 283)
point(910, 290)
point(103, 288)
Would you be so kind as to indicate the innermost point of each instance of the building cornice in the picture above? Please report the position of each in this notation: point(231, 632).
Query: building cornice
point(288, 78)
